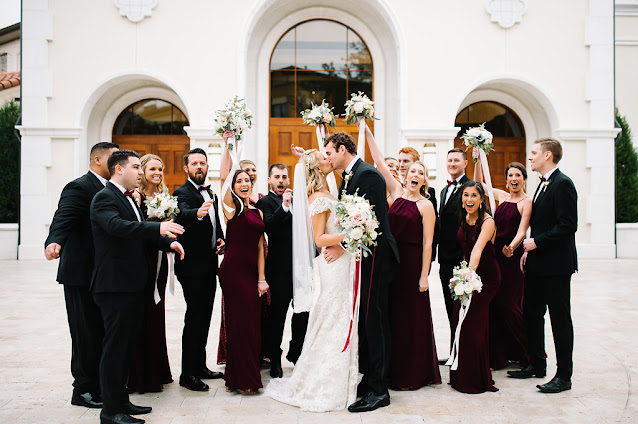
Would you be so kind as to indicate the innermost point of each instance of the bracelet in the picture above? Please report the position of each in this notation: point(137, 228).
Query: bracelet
point(261, 281)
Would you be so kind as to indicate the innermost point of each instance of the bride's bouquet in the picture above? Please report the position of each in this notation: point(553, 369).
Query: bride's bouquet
point(234, 116)
point(359, 106)
point(319, 115)
point(478, 137)
point(355, 218)
point(464, 282)
point(162, 207)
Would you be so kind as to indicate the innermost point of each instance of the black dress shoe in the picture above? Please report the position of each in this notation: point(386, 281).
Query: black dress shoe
point(119, 419)
point(193, 383)
point(210, 375)
point(275, 370)
point(87, 400)
point(370, 402)
point(556, 385)
point(137, 410)
point(528, 372)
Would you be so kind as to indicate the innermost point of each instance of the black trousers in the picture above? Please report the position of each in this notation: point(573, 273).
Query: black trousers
point(87, 331)
point(199, 294)
point(375, 341)
point(122, 314)
point(446, 271)
point(280, 298)
point(541, 294)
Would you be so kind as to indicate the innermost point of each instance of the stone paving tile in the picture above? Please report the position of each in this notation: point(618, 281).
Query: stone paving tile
point(35, 381)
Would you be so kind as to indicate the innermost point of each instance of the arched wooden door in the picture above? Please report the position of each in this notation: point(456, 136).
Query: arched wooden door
point(155, 126)
point(313, 61)
point(508, 133)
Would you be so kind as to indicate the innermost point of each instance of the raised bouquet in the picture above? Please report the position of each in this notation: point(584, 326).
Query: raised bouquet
point(359, 106)
point(319, 115)
point(478, 137)
point(234, 116)
point(464, 282)
point(162, 207)
point(356, 219)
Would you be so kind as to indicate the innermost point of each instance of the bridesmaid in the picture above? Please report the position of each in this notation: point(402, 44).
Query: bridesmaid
point(476, 237)
point(412, 219)
point(150, 368)
point(508, 339)
point(242, 279)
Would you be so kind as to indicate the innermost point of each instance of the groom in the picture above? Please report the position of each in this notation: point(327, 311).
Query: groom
point(377, 271)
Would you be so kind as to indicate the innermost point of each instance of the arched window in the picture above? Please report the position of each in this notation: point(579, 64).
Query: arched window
point(315, 60)
point(499, 119)
point(151, 117)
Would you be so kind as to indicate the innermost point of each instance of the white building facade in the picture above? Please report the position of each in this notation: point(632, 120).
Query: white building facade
point(550, 63)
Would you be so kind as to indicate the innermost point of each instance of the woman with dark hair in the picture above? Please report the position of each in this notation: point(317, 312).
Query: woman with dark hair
point(243, 280)
point(150, 369)
point(412, 218)
point(476, 237)
point(508, 339)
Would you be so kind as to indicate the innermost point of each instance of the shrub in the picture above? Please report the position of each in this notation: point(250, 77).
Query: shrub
point(626, 174)
point(9, 163)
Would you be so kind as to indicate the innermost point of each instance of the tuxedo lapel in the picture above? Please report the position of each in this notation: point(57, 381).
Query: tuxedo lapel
point(94, 181)
point(351, 187)
point(443, 196)
point(124, 201)
point(196, 192)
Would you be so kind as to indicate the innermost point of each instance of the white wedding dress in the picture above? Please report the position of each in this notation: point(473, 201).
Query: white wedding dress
point(325, 378)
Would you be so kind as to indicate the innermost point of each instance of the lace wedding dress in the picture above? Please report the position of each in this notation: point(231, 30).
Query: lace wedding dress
point(325, 378)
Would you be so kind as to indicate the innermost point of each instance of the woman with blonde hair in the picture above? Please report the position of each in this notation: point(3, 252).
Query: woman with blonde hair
point(150, 368)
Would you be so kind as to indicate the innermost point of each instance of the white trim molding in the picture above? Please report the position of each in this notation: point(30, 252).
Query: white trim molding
point(626, 8)
point(52, 132)
point(585, 133)
point(136, 10)
point(627, 41)
point(430, 134)
point(506, 13)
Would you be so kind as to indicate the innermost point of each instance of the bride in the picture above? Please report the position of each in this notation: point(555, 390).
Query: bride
point(326, 375)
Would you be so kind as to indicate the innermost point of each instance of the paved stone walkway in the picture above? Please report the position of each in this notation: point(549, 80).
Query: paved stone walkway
point(35, 381)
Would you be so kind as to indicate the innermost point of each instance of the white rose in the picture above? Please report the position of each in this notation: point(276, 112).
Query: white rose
point(478, 286)
point(468, 287)
point(459, 290)
point(158, 213)
point(373, 235)
point(326, 117)
point(358, 107)
point(356, 234)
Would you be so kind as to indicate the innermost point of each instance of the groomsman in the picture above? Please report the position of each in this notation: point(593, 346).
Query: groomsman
point(204, 240)
point(549, 262)
point(120, 276)
point(450, 252)
point(276, 207)
point(71, 240)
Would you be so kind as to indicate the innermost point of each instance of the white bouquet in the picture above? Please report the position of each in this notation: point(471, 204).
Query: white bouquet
point(162, 207)
point(319, 115)
point(355, 218)
point(478, 137)
point(464, 282)
point(234, 116)
point(359, 106)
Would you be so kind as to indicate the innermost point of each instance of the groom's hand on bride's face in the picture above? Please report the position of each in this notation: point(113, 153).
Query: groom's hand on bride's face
point(332, 253)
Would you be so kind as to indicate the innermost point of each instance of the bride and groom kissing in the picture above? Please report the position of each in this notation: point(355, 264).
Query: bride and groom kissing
point(326, 376)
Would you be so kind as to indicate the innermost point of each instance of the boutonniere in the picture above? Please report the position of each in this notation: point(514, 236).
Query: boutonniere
point(348, 178)
point(545, 184)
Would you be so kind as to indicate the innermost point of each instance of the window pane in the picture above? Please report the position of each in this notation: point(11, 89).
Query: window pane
point(284, 55)
point(321, 45)
point(152, 117)
point(499, 120)
point(179, 121)
point(282, 94)
point(123, 123)
point(358, 55)
point(360, 81)
point(312, 87)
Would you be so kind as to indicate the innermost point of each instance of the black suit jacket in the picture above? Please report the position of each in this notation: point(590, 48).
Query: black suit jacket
point(279, 229)
point(71, 229)
point(553, 225)
point(200, 260)
point(370, 183)
point(435, 239)
point(450, 252)
point(120, 243)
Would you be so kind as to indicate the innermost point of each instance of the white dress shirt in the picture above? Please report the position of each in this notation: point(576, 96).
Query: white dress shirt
point(449, 192)
point(546, 176)
point(99, 177)
point(211, 211)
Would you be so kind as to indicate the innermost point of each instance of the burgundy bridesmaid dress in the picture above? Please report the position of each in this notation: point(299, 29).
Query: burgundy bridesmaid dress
point(242, 312)
point(473, 374)
point(150, 369)
point(508, 339)
point(414, 361)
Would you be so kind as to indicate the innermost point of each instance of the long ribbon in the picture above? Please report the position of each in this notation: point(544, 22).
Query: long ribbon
point(171, 275)
point(235, 157)
point(355, 297)
point(453, 360)
point(361, 143)
point(488, 179)
point(330, 178)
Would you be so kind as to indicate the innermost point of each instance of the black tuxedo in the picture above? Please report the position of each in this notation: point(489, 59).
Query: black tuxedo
point(375, 342)
point(119, 279)
point(196, 273)
point(548, 271)
point(435, 238)
point(279, 276)
point(71, 229)
point(450, 252)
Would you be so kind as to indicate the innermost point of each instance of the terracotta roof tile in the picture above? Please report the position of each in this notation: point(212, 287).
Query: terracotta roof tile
point(9, 79)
